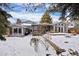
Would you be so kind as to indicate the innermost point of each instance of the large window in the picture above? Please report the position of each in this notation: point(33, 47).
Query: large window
point(19, 30)
point(15, 30)
point(61, 29)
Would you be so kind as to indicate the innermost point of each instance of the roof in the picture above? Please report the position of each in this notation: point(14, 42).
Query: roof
point(20, 25)
point(25, 24)
point(43, 24)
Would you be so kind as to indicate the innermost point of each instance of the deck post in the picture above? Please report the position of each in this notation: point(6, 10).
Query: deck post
point(22, 31)
point(12, 31)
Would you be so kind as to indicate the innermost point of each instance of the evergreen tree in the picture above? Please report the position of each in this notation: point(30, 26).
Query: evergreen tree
point(3, 23)
point(70, 10)
point(46, 18)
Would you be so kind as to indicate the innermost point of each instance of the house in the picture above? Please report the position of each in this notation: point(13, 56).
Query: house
point(60, 27)
point(24, 28)
point(39, 29)
point(20, 29)
point(55, 28)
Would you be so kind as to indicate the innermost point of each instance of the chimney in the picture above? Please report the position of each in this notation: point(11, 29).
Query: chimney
point(18, 21)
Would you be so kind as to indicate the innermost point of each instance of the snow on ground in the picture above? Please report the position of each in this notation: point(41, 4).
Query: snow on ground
point(72, 42)
point(16, 46)
point(20, 46)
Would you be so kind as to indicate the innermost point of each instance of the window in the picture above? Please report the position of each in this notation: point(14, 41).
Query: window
point(71, 24)
point(19, 30)
point(61, 29)
point(35, 27)
point(15, 30)
point(55, 29)
point(62, 24)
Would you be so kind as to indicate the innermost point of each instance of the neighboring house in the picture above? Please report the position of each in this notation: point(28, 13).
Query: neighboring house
point(71, 24)
point(74, 29)
point(77, 24)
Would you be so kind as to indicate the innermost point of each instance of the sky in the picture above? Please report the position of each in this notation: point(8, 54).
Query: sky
point(26, 12)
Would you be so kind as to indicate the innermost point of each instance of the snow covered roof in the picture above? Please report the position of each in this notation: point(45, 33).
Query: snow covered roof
point(26, 24)
point(20, 25)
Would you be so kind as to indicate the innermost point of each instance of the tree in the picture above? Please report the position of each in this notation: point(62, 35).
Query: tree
point(45, 21)
point(46, 18)
point(3, 21)
point(70, 10)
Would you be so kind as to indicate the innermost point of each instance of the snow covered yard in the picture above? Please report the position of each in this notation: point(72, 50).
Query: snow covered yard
point(16, 46)
point(67, 43)
point(72, 42)
point(20, 46)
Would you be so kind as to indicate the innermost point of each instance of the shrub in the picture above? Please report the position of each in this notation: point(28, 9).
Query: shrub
point(2, 38)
